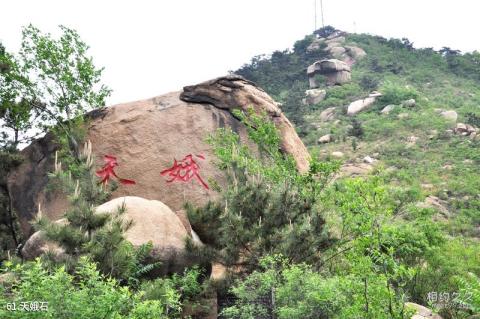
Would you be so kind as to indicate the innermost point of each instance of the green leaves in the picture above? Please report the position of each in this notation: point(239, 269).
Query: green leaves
point(85, 295)
point(50, 81)
point(65, 78)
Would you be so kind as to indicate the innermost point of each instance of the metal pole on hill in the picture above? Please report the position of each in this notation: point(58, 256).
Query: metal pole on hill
point(315, 13)
point(321, 12)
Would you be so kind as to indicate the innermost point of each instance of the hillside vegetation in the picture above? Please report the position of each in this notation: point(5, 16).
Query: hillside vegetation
point(438, 163)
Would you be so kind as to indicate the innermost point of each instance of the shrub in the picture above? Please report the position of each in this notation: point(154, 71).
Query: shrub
point(393, 93)
point(88, 294)
point(357, 129)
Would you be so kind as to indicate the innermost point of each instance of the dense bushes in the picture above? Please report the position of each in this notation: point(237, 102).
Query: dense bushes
point(393, 93)
point(86, 294)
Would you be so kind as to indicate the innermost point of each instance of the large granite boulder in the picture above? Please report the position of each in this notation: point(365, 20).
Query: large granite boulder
point(335, 71)
point(152, 221)
point(146, 137)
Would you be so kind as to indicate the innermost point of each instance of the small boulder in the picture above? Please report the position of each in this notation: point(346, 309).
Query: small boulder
point(387, 109)
point(360, 105)
point(375, 94)
point(327, 114)
point(421, 312)
point(314, 96)
point(409, 103)
point(337, 154)
point(449, 115)
point(325, 139)
point(368, 160)
point(465, 129)
point(402, 116)
point(152, 221)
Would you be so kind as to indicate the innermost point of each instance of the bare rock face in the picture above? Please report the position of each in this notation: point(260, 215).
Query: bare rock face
point(335, 71)
point(152, 221)
point(146, 137)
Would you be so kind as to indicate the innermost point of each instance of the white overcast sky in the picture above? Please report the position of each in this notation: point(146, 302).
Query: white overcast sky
point(152, 47)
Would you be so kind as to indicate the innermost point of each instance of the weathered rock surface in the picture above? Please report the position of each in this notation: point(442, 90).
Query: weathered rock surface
point(146, 136)
point(360, 105)
point(465, 130)
point(152, 221)
point(314, 96)
point(409, 103)
point(421, 311)
point(387, 109)
point(335, 71)
point(327, 114)
point(355, 52)
point(335, 46)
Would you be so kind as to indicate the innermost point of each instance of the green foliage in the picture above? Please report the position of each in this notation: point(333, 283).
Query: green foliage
point(325, 31)
point(87, 294)
point(66, 80)
point(9, 229)
point(285, 291)
point(470, 292)
point(175, 291)
point(393, 93)
point(472, 119)
point(15, 108)
point(379, 251)
point(49, 83)
point(369, 82)
point(268, 207)
point(356, 130)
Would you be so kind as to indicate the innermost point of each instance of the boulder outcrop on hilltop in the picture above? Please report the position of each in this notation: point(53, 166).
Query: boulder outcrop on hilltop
point(334, 44)
point(335, 71)
point(146, 137)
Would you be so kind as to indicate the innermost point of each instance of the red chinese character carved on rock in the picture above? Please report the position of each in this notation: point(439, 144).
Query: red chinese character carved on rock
point(185, 170)
point(108, 171)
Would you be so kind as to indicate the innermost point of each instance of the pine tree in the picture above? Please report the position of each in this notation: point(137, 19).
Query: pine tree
point(267, 208)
